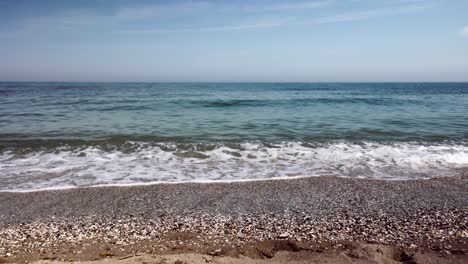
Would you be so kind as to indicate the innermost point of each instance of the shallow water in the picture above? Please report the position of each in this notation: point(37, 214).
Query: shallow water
point(57, 135)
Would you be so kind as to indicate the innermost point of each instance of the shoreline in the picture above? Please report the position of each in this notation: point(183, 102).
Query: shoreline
point(219, 182)
point(235, 219)
point(131, 163)
point(175, 182)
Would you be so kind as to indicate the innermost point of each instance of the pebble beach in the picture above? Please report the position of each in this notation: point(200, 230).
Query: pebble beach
point(257, 220)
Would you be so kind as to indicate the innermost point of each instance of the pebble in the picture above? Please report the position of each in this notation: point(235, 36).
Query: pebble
point(423, 230)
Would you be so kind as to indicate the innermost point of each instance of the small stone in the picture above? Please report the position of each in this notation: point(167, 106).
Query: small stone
point(215, 252)
point(106, 254)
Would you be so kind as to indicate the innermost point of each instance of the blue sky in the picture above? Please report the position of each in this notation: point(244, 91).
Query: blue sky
point(311, 41)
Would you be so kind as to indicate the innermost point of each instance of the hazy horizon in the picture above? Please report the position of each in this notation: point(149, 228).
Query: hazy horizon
point(234, 41)
point(239, 82)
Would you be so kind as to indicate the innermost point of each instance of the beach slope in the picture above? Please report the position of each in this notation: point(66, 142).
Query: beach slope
point(306, 219)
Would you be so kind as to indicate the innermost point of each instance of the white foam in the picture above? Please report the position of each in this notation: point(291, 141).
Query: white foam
point(152, 164)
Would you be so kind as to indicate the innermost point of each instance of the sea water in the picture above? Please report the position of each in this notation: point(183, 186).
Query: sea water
point(62, 135)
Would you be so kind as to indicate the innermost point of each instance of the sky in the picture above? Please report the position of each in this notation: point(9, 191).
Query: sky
point(234, 41)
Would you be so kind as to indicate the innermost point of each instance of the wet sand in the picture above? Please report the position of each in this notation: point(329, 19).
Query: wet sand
point(307, 219)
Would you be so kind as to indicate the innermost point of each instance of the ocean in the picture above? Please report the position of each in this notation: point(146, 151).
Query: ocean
point(63, 135)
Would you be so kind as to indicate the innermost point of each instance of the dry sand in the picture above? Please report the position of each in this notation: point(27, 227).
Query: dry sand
point(358, 254)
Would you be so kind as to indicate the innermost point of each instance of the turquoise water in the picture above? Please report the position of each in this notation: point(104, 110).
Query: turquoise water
point(57, 135)
point(235, 112)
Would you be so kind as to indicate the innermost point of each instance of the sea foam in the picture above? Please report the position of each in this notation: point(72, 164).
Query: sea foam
point(155, 163)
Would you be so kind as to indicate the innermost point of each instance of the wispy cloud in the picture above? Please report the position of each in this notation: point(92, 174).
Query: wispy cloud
point(372, 13)
point(278, 22)
point(298, 5)
point(160, 10)
point(253, 24)
point(198, 17)
point(464, 32)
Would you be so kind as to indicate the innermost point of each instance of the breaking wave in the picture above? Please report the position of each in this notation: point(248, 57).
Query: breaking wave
point(136, 163)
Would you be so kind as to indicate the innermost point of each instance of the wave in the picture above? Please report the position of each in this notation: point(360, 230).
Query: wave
point(143, 163)
point(217, 103)
point(228, 103)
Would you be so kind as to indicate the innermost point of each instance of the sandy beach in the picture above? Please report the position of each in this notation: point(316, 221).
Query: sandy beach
point(342, 220)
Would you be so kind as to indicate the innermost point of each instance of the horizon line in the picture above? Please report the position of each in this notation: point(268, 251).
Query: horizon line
point(396, 81)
